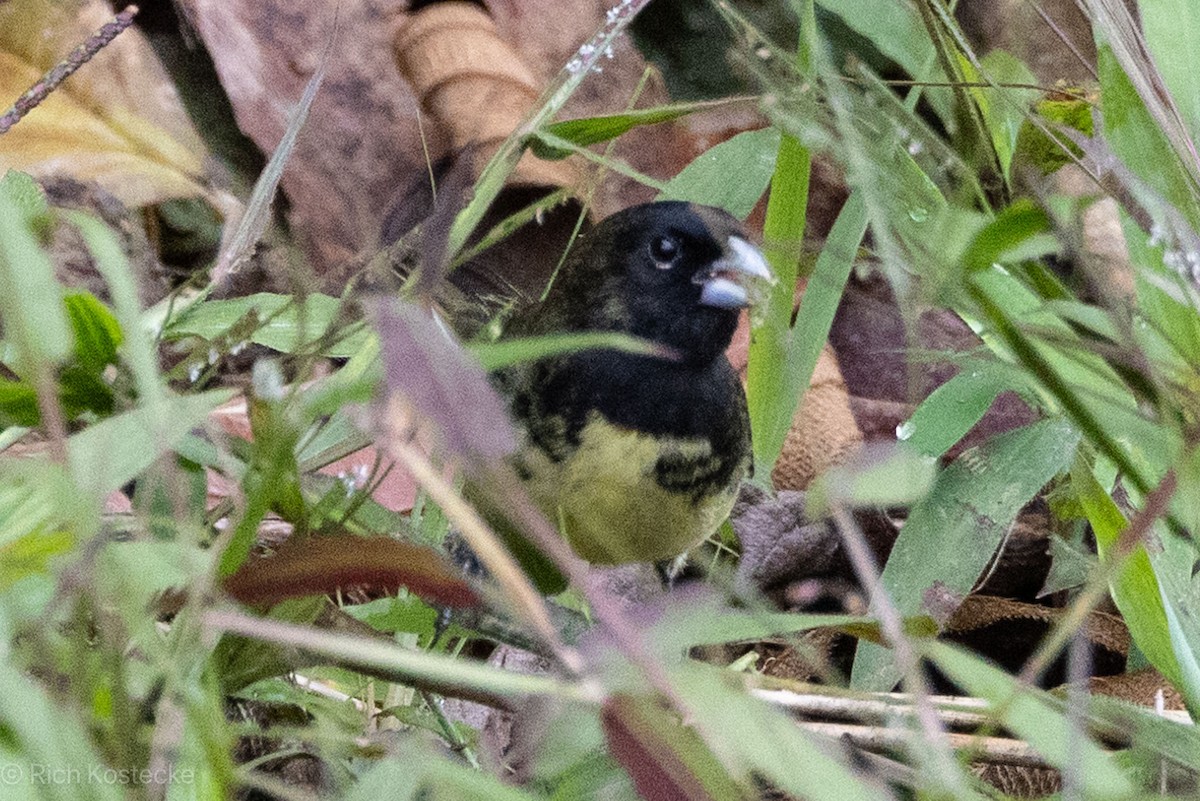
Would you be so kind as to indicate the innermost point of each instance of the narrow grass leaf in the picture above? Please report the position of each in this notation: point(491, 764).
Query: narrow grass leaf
point(1172, 31)
point(560, 90)
point(1148, 732)
point(665, 759)
point(619, 166)
point(967, 514)
point(460, 678)
point(1136, 138)
point(1135, 589)
point(782, 359)
point(1037, 719)
point(594, 130)
point(240, 241)
point(496, 355)
point(426, 369)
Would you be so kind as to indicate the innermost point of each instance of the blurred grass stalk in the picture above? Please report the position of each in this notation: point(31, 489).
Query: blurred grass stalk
point(767, 390)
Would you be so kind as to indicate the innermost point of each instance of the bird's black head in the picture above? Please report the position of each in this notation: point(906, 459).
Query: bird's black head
point(671, 272)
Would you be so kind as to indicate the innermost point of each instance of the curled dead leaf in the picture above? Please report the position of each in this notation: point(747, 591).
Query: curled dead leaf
point(313, 565)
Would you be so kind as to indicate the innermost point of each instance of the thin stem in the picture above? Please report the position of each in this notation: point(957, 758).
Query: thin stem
point(867, 572)
point(65, 68)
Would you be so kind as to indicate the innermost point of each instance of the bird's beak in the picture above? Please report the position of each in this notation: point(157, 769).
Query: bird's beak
point(727, 284)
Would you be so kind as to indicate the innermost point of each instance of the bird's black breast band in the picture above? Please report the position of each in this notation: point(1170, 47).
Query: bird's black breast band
point(648, 395)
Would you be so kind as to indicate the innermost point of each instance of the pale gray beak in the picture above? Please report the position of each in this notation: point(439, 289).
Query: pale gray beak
point(726, 284)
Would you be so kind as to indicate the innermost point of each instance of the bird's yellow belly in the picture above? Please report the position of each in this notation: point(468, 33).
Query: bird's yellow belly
point(609, 504)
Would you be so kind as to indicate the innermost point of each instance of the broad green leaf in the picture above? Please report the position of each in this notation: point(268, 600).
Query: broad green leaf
point(1048, 154)
point(41, 517)
point(280, 322)
point(55, 754)
point(953, 409)
point(402, 612)
point(967, 514)
point(707, 619)
point(27, 195)
point(877, 477)
point(1135, 136)
point(97, 332)
point(1155, 736)
point(761, 740)
point(749, 155)
point(1072, 377)
point(421, 773)
point(1168, 315)
point(1005, 238)
point(107, 455)
point(1185, 642)
point(18, 404)
point(1004, 108)
point(31, 305)
point(665, 759)
point(113, 263)
point(896, 30)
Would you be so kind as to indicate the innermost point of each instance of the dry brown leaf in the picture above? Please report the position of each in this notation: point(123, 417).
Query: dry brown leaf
point(117, 122)
point(361, 140)
point(362, 145)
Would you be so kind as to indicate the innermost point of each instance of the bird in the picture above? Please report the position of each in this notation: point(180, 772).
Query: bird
point(639, 457)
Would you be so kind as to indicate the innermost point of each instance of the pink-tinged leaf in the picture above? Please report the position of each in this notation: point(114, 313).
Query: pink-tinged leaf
point(428, 371)
point(666, 760)
point(310, 565)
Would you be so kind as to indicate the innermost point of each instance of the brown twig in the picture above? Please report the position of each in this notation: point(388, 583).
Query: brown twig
point(65, 68)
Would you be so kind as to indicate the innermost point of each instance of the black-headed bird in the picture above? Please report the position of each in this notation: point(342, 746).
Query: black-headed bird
point(639, 457)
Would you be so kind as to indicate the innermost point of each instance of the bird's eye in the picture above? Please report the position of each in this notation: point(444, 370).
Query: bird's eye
point(665, 251)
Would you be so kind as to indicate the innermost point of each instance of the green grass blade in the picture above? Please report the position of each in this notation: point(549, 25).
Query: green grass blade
point(1037, 719)
point(492, 179)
